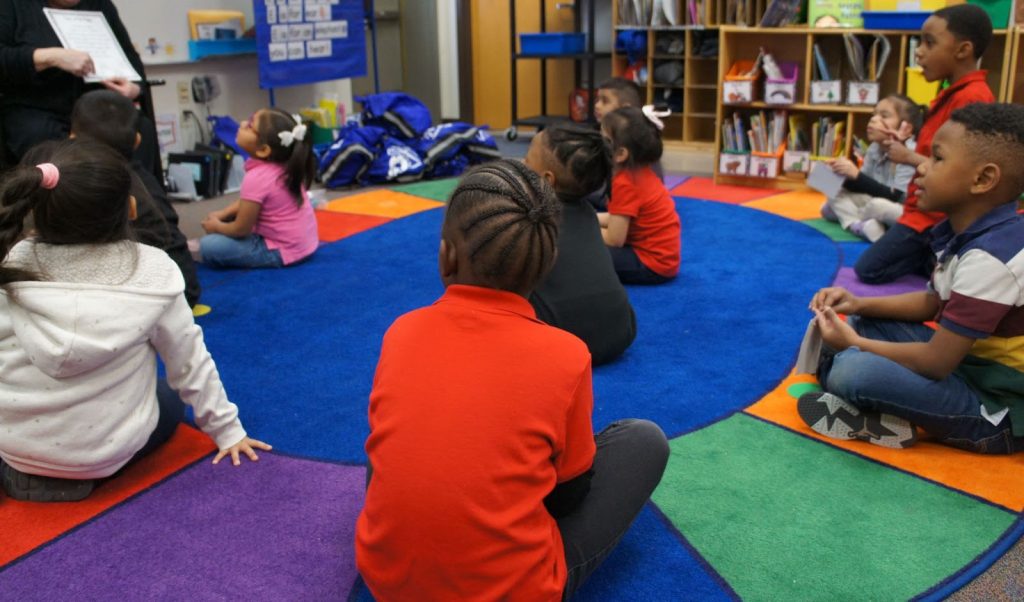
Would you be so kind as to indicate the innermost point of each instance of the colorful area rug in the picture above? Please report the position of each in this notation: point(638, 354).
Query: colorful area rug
point(753, 504)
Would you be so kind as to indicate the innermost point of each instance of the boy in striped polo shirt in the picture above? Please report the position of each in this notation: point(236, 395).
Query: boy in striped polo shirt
point(885, 372)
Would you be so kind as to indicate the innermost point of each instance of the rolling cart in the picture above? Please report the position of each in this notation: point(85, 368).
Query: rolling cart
point(564, 47)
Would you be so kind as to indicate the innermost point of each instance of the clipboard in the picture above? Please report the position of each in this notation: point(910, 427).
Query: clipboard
point(88, 31)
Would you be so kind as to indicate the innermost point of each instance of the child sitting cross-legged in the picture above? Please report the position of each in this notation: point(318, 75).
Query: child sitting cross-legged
point(872, 196)
point(641, 226)
point(84, 312)
point(582, 293)
point(272, 224)
point(963, 384)
point(487, 482)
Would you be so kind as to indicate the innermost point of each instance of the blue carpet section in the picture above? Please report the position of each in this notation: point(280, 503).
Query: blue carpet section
point(710, 321)
point(852, 251)
point(650, 564)
point(297, 347)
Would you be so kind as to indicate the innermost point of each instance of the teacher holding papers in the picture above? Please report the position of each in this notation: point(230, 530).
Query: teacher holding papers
point(40, 79)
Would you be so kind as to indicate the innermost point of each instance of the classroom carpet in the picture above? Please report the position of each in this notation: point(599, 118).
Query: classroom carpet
point(753, 505)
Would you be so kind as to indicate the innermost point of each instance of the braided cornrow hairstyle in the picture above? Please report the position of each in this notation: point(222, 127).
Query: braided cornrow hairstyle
point(583, 153)
point(508, 217)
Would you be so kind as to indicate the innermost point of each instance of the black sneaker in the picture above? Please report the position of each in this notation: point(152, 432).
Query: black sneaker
point(834, 417)
point(34, 488)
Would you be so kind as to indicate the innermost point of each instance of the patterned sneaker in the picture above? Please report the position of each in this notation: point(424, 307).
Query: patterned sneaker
point(33, 488)
point(834, 417)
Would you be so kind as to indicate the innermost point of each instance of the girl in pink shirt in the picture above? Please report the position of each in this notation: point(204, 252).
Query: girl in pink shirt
point(272, 224)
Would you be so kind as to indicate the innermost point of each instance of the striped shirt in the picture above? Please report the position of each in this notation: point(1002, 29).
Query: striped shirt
point(979, 280)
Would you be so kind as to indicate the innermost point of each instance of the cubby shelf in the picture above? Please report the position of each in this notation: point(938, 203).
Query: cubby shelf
point(795, 44)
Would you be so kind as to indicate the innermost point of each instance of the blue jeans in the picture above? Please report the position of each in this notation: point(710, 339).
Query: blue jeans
point(250, 251)
point(631, 270)
point(899, 252)
point(947, 409)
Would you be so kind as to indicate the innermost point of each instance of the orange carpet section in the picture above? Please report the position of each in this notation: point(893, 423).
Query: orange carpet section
point(704, 188)
point(994, 478)
point(333, 226)
point(796, 205)
point(382, 203)
point(28, 525)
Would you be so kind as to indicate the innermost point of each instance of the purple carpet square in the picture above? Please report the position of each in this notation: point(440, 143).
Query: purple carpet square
point(847, 279)
point(279, 529)
point(672, 180)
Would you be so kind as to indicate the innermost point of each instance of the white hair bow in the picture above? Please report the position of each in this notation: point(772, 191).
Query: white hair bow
point(655, 116)
point(298, 133)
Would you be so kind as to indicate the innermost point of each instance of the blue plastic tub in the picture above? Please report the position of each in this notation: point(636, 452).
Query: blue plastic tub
point(890, 19)
point(552, 43)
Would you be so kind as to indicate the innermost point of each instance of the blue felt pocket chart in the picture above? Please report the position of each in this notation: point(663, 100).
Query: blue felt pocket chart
point(306, 41)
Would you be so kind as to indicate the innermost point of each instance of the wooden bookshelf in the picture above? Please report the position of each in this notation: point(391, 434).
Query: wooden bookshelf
point(694, 126)
point(795, 44)
point(1014, 89)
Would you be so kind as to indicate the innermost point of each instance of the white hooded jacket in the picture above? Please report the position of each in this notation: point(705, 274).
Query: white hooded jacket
point(78, 358)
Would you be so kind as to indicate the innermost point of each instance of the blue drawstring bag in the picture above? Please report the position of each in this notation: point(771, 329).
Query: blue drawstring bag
point(346, 161)
point(402, 115)
point(448, 168)
point(225, 130)
point(444, 142)
point(632, 43)
point(395, 162)
point(481, 147)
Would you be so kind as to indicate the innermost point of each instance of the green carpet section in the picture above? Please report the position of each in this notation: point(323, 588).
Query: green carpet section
point(831, 230)
point(782, 517)
point(437, 190)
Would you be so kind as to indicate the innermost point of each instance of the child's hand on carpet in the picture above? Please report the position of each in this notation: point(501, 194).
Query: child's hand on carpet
point(836, 333)
point(837, 298)
point(245, 446)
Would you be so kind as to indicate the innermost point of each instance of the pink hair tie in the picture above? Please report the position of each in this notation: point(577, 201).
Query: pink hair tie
point(50, 175)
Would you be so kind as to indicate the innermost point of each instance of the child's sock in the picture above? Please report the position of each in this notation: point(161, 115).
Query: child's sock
point(872, 229)
point(195, 250)
point(828, 214)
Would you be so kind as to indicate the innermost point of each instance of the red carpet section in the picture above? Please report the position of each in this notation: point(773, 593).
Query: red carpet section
point(28, 525)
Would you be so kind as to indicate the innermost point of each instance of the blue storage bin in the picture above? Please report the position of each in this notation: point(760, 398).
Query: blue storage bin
point(198, 49)
point(890, 19)
point(552, 43)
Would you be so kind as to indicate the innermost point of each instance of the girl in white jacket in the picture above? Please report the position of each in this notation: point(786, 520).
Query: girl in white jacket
point(84, 311)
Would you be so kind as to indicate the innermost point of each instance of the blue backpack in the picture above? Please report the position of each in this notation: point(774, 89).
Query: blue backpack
point(346, 161)
point(402, 115)
point(395, 162)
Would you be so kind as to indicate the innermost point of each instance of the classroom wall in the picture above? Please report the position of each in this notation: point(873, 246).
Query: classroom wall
point(240, 96)
point(492, 81)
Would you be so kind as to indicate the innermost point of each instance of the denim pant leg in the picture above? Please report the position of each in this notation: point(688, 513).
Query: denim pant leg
point(899, 252)
point(631, 457)
point(631, 270)
point(948, 409)
point(250, 251)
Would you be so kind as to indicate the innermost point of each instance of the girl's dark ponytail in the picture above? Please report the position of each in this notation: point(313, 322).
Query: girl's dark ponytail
point(21, 189)
point(300, 168)
point(296, 156)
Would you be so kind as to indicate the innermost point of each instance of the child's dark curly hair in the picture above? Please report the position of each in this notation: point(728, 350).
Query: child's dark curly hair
point(507, 216)
point(629, 128)
point(969, 23)
point(995, 132)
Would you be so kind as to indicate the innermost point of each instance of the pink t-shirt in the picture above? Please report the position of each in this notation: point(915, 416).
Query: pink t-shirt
point(284, 226)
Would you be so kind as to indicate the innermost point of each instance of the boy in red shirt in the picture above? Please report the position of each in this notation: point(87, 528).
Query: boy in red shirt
point(953, 40)
point(487, 482)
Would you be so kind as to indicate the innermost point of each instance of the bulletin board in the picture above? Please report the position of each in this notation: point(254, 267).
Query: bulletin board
point(307, 41)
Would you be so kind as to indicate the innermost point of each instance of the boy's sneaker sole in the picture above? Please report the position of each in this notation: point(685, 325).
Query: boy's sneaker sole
point(34, 488)
point(834, 417)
